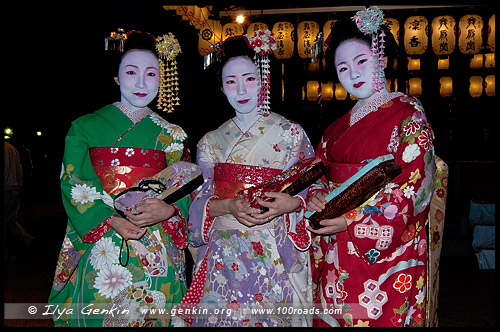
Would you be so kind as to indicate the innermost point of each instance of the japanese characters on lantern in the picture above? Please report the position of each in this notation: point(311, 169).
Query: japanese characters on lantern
point(285, 40)
point(306, 35)
point(469, 34)
point(232, 29)
point(256, 26)
point(393, 26)
point(443, 35)
point(416, 35)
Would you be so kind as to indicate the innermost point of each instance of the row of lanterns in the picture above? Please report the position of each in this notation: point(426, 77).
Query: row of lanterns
point(416, 31)
point(477, 85)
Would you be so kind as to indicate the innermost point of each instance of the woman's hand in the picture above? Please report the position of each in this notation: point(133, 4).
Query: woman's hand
point(151, 211)
point(331, 226)
point(238, 207)
point(126, 229)
point(281, 203)
point(317, 202)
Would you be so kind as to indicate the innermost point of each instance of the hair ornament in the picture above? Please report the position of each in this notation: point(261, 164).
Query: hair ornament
point(115, 40)
point(167, 47)
point(215, 55)
point(370, 21)
point(263, 43)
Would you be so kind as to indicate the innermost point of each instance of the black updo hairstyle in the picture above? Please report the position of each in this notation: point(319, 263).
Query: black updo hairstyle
point(231, 48)
point(136, 40)
point(346, 29)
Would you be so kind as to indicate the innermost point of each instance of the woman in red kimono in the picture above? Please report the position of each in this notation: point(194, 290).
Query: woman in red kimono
point(371, 263)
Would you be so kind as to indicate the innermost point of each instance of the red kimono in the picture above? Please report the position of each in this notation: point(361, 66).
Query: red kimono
point(375, 273)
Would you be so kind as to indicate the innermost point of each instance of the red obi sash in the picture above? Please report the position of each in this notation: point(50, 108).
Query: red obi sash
point(119, 168)
point(340, 172)
point(232, 178)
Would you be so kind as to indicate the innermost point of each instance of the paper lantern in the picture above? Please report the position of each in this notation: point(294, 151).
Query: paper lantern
point(210, 33)
point(393, 26)
point(443, 34)
point(489, 85)
point(254, 27)
point(413, 64)
point(491, 33)
point(477, 61)
point(469, 34)
point(306, 35)
point(445, 86)
point(340, 92)
point(444, 63)
point(416, 35)
point(327, 90)
point(186, 12)
point(312, 90)
point(200, 15)
point(285, 37)
point(476, 86)
point(489, 61)
point(388, 85)
point(327, 28)
point(232, 29)
point(415, 86)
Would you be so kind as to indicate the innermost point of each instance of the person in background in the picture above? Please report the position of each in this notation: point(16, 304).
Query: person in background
point(371, 263)
point(16, 238)
point(246, 260)
point(123, 267)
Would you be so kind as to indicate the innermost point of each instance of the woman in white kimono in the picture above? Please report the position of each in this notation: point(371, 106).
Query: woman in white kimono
point(251, 268)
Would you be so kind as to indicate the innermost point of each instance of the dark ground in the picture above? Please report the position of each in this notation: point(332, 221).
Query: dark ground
point(467, 294)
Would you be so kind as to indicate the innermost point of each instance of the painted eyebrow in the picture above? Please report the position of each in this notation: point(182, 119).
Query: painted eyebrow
point(150, 67)
point(356, 57)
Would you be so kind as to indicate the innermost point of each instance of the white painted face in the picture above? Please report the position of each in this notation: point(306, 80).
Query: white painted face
point(138, 77)
point(241, 84)
point(354, 65)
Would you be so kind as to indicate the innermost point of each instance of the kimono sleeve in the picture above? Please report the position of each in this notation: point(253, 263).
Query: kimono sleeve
point(86, 203)
point(295, 221)
point(397, 215)
point(200, 223)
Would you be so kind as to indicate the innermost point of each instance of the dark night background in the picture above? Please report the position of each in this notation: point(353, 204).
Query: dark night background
point(57, 70)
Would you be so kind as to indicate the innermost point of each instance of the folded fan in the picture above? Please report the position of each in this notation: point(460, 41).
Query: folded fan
point(291, 181)
point(357, 189)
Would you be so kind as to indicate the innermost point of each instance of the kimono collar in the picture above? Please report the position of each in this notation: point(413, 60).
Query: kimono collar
point(134, 116)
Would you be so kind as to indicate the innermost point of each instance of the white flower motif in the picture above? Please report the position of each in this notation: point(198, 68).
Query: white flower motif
point(410, 153)
point(158, 120)
point(115, 162)
point(104, 253)
point(114, 150)
point(420, 297)
point(409, 191)
point(82, 193)
point(176, 132)
point(129, 152)
point(174, 147)
point(112, 279)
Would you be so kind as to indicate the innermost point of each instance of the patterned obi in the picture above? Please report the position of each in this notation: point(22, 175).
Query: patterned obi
point(340, 172)
point(120, 168)
point(232, 178)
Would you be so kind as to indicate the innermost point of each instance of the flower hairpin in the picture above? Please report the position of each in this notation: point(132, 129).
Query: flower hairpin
point(168, 48)
point(263, 43)
point(370, 21)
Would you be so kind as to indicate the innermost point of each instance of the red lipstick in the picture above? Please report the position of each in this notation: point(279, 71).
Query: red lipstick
point(358, 85)
point(141, 95)
point(244, 101)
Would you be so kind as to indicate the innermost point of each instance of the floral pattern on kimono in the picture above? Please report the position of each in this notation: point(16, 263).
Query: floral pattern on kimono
point(376, 271)
point(89, 274)
point(248, 268)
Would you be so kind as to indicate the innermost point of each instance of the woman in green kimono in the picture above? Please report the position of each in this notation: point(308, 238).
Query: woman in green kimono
point(115, 271)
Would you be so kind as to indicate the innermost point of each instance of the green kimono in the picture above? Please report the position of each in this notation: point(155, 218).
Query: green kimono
point(101, 280)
